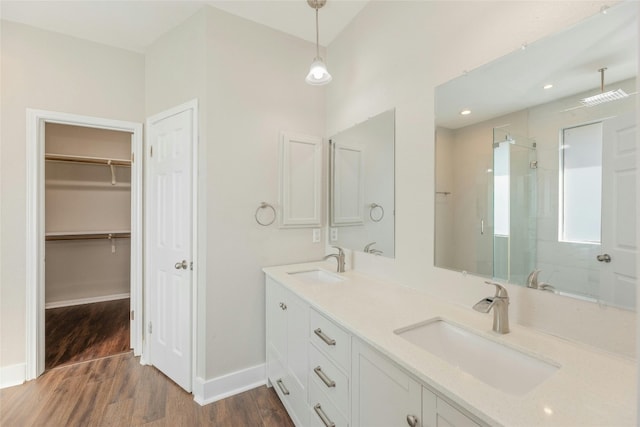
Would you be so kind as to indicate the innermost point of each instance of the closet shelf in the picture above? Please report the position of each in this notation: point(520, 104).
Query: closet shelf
point(87, 235)
point(87, 160)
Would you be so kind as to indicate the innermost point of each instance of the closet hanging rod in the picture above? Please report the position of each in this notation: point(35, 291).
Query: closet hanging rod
point(89, 160)
point(88, 236)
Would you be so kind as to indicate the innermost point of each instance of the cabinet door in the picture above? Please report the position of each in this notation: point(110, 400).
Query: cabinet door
point(383, 394)
point(438, 413)
point(276, 331)
point(297, 339)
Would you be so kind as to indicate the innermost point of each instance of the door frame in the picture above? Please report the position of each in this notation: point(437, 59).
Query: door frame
point(35, 230)
point(148, 200)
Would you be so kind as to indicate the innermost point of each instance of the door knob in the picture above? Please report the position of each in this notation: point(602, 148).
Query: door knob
point(604, 258)
point(182, 265)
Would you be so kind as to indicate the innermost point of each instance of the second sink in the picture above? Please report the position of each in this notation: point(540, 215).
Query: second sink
point(317, 275)
point(499, 366)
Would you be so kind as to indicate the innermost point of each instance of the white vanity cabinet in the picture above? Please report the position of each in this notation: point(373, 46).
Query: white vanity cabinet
point(436, 412)
point(329, 372)
point(287, 318)
point(384, 395)
point(326, 376)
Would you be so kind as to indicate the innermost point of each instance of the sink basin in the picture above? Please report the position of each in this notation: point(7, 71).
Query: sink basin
point(499, 366)
point(317, 275)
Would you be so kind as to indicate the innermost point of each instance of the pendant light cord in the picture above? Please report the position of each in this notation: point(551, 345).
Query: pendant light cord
point(317, 35)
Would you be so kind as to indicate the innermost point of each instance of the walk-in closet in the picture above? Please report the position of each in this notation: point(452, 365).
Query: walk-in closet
point(87, 243)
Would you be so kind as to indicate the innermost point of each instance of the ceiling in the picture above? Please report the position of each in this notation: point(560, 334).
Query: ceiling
point(569, 60)
point(135, 24)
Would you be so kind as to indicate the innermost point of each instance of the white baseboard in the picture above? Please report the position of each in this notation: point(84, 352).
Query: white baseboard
point(80, 301)
point(209, 391)
point(12, 375)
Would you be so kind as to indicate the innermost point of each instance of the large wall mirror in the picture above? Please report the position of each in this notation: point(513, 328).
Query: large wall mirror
point(362, 186)
point(535, 164)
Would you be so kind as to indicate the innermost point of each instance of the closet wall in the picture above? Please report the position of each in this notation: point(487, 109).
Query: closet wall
point(84, 203)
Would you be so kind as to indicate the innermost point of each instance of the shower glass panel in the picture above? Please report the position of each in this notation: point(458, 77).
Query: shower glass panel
point(514, 205)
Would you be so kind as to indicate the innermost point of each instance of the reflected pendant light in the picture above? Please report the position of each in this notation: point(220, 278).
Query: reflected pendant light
point(318, 74)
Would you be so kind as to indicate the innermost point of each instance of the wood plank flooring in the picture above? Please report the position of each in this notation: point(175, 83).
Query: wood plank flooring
point(84, 332)
point(118, 391)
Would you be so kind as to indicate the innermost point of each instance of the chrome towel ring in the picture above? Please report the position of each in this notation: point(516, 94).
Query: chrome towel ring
point(379, 216)
point(265, 205)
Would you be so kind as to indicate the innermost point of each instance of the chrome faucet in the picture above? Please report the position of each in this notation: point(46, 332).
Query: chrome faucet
point(339, 257)
point(532, 280)
point(500, 304)
point(369, 250)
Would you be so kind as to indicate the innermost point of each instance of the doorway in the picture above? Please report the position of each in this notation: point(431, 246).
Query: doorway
point(38, 121)
point(87, 243)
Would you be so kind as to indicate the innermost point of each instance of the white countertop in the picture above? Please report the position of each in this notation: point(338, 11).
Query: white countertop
point(591, 388)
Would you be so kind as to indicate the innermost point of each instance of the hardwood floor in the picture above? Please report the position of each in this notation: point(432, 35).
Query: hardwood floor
point(85, 332)
point(118, 391)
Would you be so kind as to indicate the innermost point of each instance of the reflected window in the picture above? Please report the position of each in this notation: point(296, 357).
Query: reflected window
point(581, 183)
point(501, 189)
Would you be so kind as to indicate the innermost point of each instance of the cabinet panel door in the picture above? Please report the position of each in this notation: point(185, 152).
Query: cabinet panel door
point(276, 331)
point(383, 395)
point(297, 339)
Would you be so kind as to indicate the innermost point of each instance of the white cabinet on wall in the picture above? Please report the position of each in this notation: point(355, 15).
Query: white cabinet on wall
point(287, 360)
point(300, 176)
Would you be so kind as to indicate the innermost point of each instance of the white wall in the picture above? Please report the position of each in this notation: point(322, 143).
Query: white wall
point(415, 47)
point(249, 80)
point(48, 71)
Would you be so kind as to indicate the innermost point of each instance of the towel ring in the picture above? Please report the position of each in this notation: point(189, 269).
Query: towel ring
point(265, 205)
point(376, 206)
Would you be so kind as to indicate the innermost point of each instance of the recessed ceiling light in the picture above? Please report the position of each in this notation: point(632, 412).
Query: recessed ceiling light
point(604, 9)
point(547, 86)
point(465, 112)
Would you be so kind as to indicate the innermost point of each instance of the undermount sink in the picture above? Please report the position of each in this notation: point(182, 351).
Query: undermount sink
point(499, 366)
point(317, 275)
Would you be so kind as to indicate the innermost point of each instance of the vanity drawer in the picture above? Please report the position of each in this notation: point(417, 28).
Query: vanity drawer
point(331, 339)
point(329, 378)
point(322, 411)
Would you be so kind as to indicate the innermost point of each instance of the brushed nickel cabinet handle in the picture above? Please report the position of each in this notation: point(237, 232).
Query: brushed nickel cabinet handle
point(283, 389)
point(323, 337)
point(412, 420)
point(325, 379)
point(325, 420)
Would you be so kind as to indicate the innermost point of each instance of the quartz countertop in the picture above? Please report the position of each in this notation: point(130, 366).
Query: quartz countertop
point(591, 388)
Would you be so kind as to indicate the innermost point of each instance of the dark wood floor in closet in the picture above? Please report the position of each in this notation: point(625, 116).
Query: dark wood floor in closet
point(118, 391)
point(85, 332)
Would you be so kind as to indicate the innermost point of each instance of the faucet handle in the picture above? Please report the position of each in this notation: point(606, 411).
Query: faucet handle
point(501, 291)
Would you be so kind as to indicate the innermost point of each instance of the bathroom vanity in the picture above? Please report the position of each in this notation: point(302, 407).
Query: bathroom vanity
point(352, 350)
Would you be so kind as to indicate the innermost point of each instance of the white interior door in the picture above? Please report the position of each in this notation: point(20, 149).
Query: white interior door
point(169, 237)
point(618, 251)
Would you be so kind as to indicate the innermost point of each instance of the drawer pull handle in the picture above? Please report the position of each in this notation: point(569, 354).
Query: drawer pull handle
point(325, 420)
point(283, 389)
point(325, 379)
point(412, 420)
point(283, 306)
point(323, 337)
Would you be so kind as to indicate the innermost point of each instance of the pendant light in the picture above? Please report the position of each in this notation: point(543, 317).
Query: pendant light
point(318, 74)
